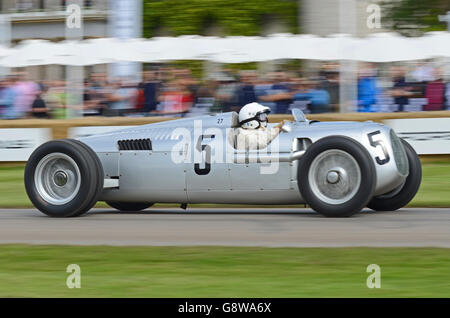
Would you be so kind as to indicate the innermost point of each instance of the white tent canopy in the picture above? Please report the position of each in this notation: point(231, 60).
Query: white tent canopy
point(380, 47)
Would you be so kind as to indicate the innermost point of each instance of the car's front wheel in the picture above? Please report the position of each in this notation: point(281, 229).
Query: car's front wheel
point(336, 176)
point(63, 178)
point(401, 196)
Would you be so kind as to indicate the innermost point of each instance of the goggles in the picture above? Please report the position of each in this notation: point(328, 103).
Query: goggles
point(259, 117)
point(262, 116)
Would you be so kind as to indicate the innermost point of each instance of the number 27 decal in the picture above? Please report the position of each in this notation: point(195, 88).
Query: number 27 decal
point(379, 143)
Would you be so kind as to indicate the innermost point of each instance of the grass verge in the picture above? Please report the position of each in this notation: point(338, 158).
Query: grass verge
point(40, 271)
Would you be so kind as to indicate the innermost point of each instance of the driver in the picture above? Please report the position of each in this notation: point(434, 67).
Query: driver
point(253, 132)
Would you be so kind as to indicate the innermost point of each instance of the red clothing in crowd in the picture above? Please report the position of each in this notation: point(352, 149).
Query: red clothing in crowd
point(140, 99)
point(175, 102)
point(434, 93)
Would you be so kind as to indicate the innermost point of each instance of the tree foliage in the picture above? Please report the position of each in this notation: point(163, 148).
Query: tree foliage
point(413, 17)
point(234, 17)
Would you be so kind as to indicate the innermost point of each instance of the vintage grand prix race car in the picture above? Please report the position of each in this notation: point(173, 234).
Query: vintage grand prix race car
point(337, 168)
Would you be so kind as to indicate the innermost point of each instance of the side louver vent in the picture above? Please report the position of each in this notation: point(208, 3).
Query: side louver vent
point(135, 144)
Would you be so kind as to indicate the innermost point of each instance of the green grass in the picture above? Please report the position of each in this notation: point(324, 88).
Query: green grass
point(434, 191)
point(12, 189)
point(435, 188)
point(40, 271)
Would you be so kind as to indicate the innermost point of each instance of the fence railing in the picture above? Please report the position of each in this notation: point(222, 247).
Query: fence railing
point(60, 127)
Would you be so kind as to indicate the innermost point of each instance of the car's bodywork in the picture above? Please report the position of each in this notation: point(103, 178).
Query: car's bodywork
point(193, 160)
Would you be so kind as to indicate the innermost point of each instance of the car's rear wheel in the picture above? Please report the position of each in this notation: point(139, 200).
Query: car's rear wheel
point(336, 176)
point(129, 206)
point(63, 178)
point(402, 195)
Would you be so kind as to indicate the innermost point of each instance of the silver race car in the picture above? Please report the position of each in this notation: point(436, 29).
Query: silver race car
point(337, 168)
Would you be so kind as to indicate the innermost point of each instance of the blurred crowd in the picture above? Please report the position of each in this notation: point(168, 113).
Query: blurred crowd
point(166, 91)
point(402, 88)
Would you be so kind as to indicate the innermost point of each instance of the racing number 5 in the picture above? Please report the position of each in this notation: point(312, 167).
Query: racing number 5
point(376, 143)
point(207, 149)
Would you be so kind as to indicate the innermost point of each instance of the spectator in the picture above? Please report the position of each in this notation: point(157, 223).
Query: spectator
point(56, 99)
point(331, 85)
point(3, 86)
point(204, 100)
point(435, 93)
point(401, 89)
point(26, 93)
point(150, 88)
point(176, 99)
point(8, 99)
point(447, 96)
point(367, 89)
point(279, 93)
point(122, 98)
point(140, 98)
point(263, 88)
point(39, 108)
point(92, 104)
point(99, 92)
point(245, 93)
point(318, 97)
point(225, 96)
point(424, 72)
point(188, 82)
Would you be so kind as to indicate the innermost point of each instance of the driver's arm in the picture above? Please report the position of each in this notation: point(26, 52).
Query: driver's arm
point(279, 125)
point(274, 131)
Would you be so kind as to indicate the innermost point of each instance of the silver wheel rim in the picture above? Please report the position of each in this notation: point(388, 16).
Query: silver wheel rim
point(57, 178)
point(334, 176)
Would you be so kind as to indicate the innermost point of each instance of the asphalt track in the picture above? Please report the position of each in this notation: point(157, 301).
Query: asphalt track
point(230, 227)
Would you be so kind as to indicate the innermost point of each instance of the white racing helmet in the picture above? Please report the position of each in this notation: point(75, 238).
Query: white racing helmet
point(253, 116)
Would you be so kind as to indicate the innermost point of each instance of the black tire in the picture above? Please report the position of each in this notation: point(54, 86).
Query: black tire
point(90, 178)
point(354, 200)
point(100, 175)
point(129, 206)
point(398, 198)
